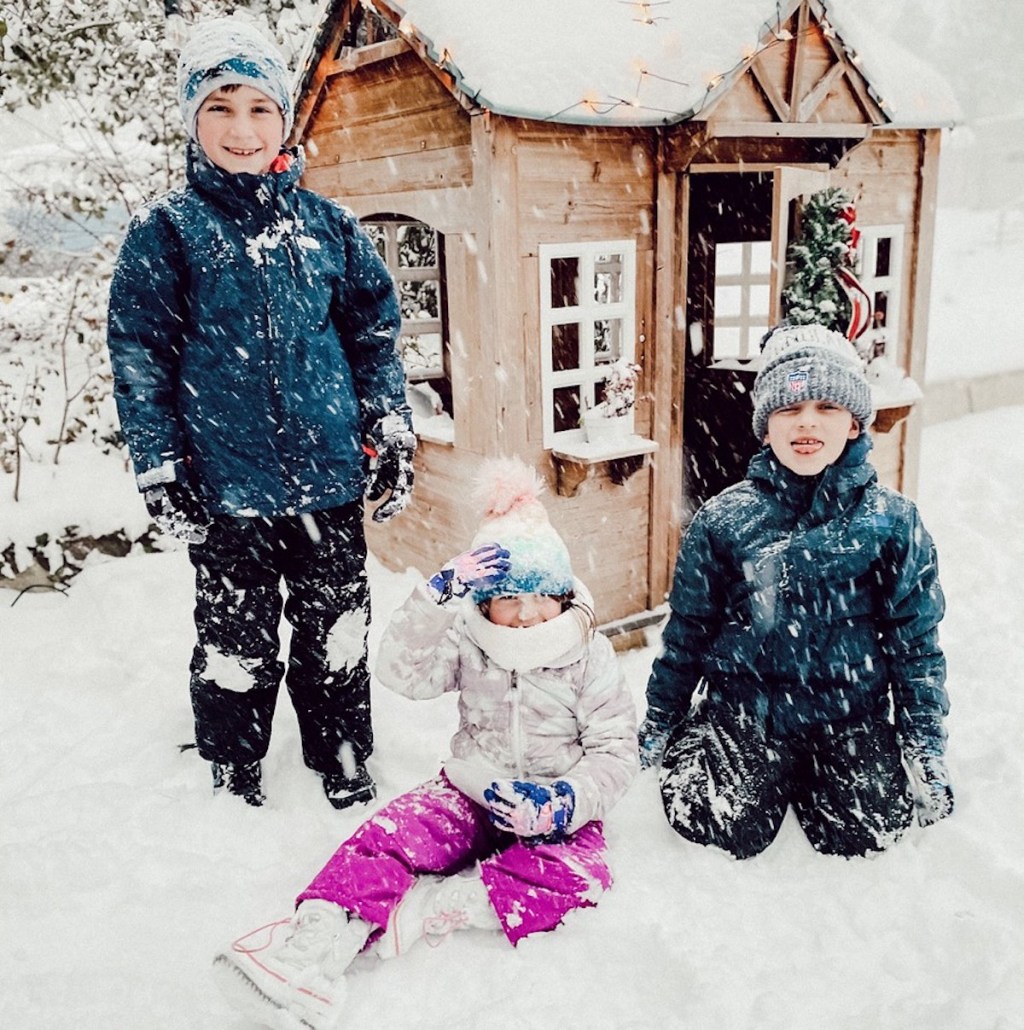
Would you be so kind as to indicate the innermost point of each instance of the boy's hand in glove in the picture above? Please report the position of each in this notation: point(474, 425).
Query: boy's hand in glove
point(485, 566)
point(177, 511)
point(391, 448)
point(924, 748)
point(652, 736)
point(532, 811)
point(929, 777)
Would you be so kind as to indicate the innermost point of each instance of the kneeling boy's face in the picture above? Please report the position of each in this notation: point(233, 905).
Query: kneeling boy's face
point(808, 436)
point(240, 129)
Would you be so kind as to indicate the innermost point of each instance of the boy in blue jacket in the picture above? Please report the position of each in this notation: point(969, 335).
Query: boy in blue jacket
point(252, 330)
point(800, 663)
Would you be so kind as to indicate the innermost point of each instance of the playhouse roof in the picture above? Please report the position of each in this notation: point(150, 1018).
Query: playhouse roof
point(644, 62)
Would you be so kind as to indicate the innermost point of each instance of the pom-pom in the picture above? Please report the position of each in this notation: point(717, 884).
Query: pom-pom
point(505, 485)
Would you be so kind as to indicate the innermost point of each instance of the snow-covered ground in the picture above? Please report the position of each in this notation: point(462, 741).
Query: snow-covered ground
point(121, 875)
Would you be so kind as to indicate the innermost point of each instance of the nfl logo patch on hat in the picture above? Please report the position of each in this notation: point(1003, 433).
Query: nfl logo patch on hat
point(797, 380)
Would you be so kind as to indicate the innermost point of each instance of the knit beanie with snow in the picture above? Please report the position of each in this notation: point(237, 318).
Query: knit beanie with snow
point(809, 363)
point(513, 516)
point(231, 52)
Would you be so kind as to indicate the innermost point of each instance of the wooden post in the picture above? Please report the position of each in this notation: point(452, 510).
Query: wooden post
point(503, 417)
point(920, 298)
point(665, 379)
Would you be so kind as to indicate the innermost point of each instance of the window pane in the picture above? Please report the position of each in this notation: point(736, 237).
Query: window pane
point(728, 300)
point(608, 279)
point(881, 308)
point(565, 289)
point(759, 300)
point(729, 259)
point(607, 340)
point(567, 408)
point(417, 246)
point(883, 256)
point(565, 346)
point(378, 234)
point(421, 352)
point(761, 258)
point(727, 343)
point(419, 300)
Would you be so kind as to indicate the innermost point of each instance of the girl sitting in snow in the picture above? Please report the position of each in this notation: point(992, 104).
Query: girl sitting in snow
point(508, 836)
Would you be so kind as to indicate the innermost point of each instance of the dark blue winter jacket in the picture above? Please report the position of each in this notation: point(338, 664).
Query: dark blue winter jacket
point(806, 600)
point(252, 330)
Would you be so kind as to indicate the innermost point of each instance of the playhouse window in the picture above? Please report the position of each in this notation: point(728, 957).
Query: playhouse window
point(742, 299)
point(880, 271)
point(414, 254)
point(588, 303)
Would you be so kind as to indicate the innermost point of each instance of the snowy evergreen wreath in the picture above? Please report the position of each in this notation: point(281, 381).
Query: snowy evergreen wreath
point(826, 245)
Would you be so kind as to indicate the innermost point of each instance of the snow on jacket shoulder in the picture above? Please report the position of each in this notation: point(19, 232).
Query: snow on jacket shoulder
point(817, 599)
point(562, 713)
point(252, 331)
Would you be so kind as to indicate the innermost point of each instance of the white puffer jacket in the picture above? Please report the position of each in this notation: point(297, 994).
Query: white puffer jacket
point(541, 703)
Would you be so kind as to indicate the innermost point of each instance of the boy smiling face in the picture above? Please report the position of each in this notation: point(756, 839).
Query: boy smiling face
point(809, 435)
point(240, 129)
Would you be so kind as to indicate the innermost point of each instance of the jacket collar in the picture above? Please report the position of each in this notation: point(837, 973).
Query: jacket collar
point(818, 496)
point(239, 193)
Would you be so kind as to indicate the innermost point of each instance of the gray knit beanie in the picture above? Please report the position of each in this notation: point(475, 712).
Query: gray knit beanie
point(809, 363)
point(231, 52)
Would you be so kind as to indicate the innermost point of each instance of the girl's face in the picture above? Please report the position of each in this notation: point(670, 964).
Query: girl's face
point(522, 610)
point(240, 129)
point(807, 436)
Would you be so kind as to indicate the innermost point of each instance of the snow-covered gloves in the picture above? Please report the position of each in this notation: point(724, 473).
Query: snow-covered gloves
point(177, 510)
point(652, 736)
point(392, 445)
point(483, 567)
point(532, 811)
point(924, 750)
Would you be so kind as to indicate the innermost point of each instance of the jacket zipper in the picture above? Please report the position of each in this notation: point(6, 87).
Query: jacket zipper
point(516, 729)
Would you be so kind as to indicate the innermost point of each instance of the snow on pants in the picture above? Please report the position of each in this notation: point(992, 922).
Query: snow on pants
point(725, 782)
point(236, 670)
point(437, 829)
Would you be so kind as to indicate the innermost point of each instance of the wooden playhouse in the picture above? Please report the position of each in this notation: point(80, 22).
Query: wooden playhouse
point(556, 186)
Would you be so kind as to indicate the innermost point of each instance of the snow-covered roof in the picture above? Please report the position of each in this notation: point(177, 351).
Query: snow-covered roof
point(643, 62)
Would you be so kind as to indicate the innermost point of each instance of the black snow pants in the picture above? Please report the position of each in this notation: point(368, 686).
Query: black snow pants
point(728, 782)
point(236, 670)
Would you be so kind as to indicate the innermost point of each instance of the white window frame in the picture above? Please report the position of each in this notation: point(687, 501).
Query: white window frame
point(400, 273)
point(585, 314)
point(891, 284)
point(751, 325)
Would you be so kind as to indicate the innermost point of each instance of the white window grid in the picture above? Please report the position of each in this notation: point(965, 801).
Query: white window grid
point(742, 302)
point(586, 314)
point(890, 284)
point(421, 339)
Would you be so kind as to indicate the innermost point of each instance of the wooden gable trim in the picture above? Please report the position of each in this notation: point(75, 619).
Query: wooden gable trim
point(789, 102)
point(325, 64)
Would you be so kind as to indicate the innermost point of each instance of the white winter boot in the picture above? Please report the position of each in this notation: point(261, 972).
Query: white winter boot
point(290, 974)
point(433, 908)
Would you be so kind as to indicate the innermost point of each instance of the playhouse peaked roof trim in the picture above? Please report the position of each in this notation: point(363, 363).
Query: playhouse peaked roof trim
point(648, 62)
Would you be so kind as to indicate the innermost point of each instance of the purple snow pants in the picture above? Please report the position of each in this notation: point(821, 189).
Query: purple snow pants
point(437, 829)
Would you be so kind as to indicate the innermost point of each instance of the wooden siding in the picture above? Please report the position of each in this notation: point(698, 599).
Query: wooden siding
point(390, 122)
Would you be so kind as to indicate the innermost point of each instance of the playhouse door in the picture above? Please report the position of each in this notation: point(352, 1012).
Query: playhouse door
point(738, 234)
point(728, 309)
